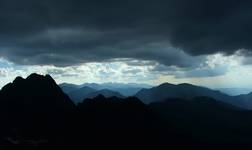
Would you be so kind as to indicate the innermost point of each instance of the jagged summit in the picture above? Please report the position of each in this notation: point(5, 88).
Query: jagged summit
point(33, 77)
point(36, 92)
point(18, 79)
point(37, 77)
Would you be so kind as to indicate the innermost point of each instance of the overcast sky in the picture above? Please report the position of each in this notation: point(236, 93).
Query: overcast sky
point(204, 42)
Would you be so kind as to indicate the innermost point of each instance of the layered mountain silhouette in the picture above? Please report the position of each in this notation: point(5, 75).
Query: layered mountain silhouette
point(155, 94)
point(68, 88)
point(80, 94)
point(89, 90)
point(244, 100)
point(186, 91)
point(36, 114)
point(189, 91)
point(106, 93)
point(124, 89)
point(235, 91)
point(86, 92)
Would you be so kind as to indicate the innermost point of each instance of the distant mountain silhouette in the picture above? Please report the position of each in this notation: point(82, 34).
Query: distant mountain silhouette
point(80, 94)
point(189, 91)
point(129, 89)
point(87, 92)
point(235, 91)
point(154, 94)
point(185, 91)
point(68, 88)
point(106, 93)
point(95, 86)
point(112, 86)
point(244, 100)
point(36, 114)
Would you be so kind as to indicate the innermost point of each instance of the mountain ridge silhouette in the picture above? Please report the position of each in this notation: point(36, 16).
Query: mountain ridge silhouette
point(36, 114)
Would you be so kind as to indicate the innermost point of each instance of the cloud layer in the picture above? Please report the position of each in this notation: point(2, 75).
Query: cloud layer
point(170, 32)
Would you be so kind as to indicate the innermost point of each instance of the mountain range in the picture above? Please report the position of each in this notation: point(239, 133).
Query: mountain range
point(87, 90)
point(150, 94)
point(186, 91)
point(235, 91)
point(35, 113)
point(80, 94)
point(189, 91)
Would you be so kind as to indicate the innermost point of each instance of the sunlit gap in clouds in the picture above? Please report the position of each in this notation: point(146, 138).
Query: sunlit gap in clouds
point(217, 70)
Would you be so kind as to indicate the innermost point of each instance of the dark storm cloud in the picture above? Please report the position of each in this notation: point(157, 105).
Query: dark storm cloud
point(69, 32)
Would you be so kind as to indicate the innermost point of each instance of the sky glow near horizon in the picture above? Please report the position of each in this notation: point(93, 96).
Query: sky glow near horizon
point(216, 71)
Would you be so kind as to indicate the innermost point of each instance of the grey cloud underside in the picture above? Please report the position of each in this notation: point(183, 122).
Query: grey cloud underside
point(190, 73)
point(69, 32)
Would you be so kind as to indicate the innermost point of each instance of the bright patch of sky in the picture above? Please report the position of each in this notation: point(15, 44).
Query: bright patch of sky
point(216, 71)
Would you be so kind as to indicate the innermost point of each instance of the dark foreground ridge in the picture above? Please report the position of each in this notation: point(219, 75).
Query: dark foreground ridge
point(36, 114)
